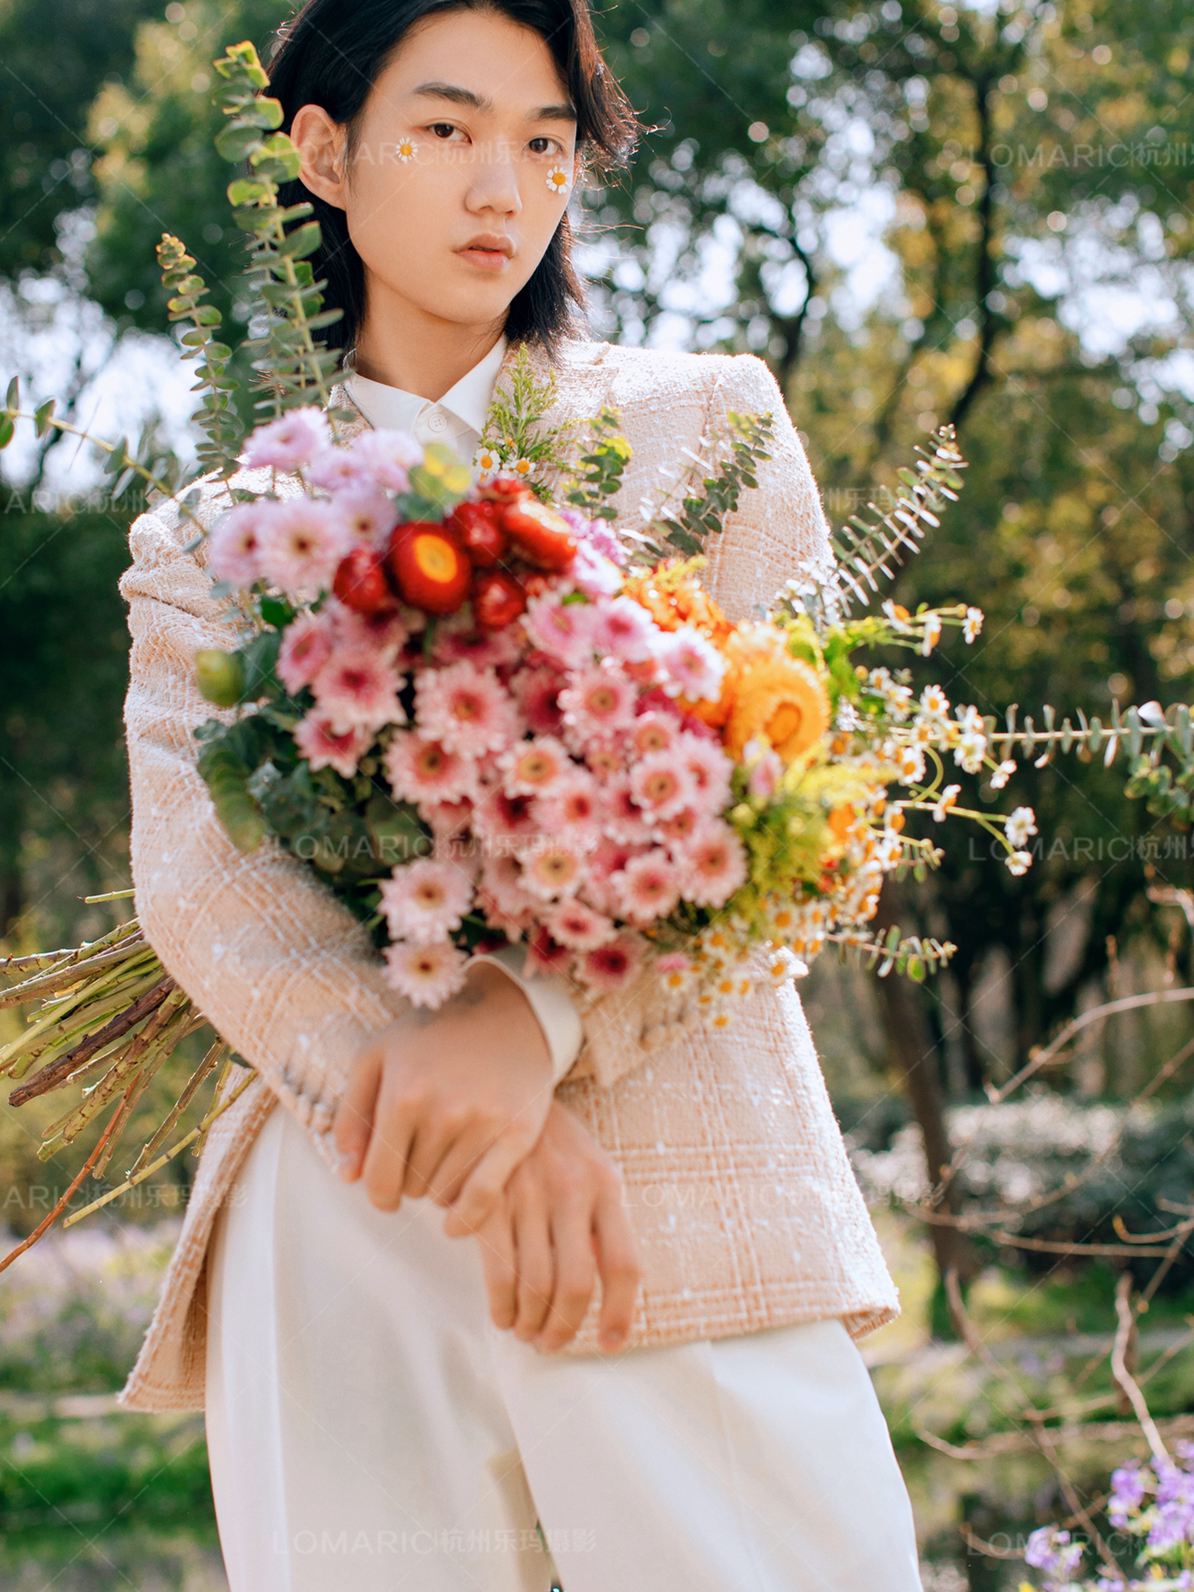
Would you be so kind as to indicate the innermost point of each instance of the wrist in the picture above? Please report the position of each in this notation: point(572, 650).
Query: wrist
point(548, 997)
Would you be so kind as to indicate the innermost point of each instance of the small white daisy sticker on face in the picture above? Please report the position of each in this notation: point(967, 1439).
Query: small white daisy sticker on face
point(559, 179)
point(406, 149)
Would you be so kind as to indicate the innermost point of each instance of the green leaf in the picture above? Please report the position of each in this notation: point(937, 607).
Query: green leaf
point(237, 143)
point(12, 399)
point(7, 429)
point(42, 416)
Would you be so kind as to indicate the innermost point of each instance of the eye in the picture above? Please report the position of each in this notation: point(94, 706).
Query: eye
point(551, 142)
point(438, 128)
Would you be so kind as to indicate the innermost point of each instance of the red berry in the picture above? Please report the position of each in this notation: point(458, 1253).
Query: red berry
point(480, 530)
point(498, 599)
point(430, 566)
point(504, 489)
point(540, 535)
point(361, 582)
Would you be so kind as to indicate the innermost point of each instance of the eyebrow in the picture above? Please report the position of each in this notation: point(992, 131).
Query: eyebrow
point(481, 102)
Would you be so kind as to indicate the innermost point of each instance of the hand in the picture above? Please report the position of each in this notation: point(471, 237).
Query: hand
point(447, 1103)
point(560, 1221)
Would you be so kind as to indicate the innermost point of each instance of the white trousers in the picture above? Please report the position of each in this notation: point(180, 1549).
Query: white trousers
point(370, 1430)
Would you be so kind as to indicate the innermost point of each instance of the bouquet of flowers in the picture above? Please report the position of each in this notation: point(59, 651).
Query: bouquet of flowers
point(484, 719)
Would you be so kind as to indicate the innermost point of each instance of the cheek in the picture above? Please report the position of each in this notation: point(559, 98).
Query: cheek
point(395, 206)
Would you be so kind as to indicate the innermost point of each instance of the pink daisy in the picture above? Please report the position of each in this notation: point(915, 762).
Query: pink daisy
point(653, 732)
point(709, 769)
point(692, 665)
point(593, 573)
point(613, 966)
point(680, 826)
point(537, 691)
point(765, 767)
point(234, 545)
point(573, 809)
point(648, 887)
point(605, 863)
point(544, 955)
point(553, 869)
point(501, 890)
point(535, 768)
point(714, 863)
point(326, 745)
point(604, 757)
point(358, 687)
point(426, 974)
point(660, 785)
point(369, 515)
point(383, 634)
point(420, 770)
point(624, 819)
point(289, 441)
point(301, 544)
point(564, 631)
point(597, 701)
point(626, 630)
point(388, 457)
point(577, 926)
point(447, 820)
point(424, 901)
point(465, 708)
point(506, 824)
point(458, 641)
point(306, 647)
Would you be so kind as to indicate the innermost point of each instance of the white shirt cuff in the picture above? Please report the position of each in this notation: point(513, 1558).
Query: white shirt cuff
point(551, 1003)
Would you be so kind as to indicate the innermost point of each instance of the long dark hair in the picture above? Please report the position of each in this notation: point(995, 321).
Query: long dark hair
point(332, 53)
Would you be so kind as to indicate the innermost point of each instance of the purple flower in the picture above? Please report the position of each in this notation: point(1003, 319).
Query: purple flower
point(1127, 1493)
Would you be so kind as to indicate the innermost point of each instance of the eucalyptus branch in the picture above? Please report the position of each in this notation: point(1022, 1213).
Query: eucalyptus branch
point(217, 416)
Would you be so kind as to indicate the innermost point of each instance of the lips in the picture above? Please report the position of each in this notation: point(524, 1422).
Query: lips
point(490, 243)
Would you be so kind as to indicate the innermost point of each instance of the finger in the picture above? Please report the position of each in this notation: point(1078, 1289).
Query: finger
point(432, 1139)
point(489, 1177)
point(620, 1267)
point(353, 1126)
point(389, 1147)
point(575, 1273)
point(463, 1158)
point(534, 1259)
point(498, 1261)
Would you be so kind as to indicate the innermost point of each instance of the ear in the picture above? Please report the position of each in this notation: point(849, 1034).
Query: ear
point(321, 143)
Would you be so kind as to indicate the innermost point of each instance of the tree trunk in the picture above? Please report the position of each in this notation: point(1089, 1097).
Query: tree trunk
point(913, 1056)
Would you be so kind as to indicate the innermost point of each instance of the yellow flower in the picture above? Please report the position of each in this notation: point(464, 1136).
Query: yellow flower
point(778, 697)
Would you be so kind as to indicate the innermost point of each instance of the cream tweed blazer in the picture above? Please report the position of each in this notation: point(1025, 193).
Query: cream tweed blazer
point(737, 1180)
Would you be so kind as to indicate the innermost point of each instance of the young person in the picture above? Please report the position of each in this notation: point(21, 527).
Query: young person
point(395, 1398)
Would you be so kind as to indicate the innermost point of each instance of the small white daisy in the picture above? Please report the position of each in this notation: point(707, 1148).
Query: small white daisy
point(559, 179)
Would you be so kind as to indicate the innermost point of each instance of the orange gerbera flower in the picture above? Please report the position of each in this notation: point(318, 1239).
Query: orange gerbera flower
point(773, 695)
point(674, 596)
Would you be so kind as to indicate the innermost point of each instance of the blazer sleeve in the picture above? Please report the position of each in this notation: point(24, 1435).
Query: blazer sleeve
point(284, 971)
point(778, 531)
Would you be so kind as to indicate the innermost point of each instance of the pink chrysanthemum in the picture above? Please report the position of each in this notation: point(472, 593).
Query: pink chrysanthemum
point(424, 901)
point(457, 640)
point(534, 768)
point(654, 732)
point(709, 769)
point(593, 573)
point(680, 827)
point(714, 863)
point(286, 443)
point(234, 546)
point(507, 825)
point(426, 974)
point(648, 887)
point(301, 543)
point(306, 648)
point(383, 634)
point(537, 692)
point(544, 955)
point(388, 457)
point(692, 665)
point(501, 896)
point(605, 863)
point(564, 631)
point(597, 701)
point(573, 810)
point(553, 870)
point(626, 630)
point(369, 515)
point(624, 820)
point(326, 745)
point(578, 927)
point(465, 708)
point(613, 966)
point(604, 757)
point(447, 820)
point(661, 785)
point(766, 767)
point(358, 688)
point(420, 770)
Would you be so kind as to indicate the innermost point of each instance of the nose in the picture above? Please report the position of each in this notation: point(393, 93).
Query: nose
point(494, 179)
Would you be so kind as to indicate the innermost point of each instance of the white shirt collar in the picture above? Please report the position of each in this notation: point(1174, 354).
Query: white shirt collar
point(392, 408)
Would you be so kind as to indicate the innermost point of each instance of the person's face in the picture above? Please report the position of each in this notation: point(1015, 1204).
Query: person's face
point(456, 143)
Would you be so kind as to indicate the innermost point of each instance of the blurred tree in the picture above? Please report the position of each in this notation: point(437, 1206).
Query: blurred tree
point(56, 57)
